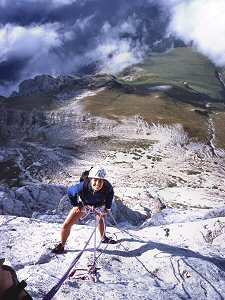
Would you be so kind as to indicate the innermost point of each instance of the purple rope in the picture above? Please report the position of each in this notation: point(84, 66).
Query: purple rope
point(96, 224)
point(55, 289)
point(95, 243)
point(95, 247)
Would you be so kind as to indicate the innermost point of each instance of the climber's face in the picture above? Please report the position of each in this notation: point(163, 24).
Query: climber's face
point(97, 184)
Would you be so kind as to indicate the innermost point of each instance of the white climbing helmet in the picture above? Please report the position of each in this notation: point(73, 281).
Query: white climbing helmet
point(97, 172)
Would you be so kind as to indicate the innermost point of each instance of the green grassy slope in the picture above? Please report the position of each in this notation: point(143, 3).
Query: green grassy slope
point(180, 104)
point(153, 108)
point(174, 68)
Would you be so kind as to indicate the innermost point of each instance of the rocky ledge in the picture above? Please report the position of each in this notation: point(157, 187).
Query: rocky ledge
point(47, 83)
point(169, 206)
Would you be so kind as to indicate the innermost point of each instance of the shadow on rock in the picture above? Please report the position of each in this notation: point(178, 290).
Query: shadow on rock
point(122, 213)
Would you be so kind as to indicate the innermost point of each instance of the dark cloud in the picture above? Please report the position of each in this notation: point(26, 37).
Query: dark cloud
point(9, 70)
point(84, 36)
point(70, 37)
point(26, 12)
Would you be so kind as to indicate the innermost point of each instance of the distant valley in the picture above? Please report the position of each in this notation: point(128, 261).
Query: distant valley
point(180, 86)
point(159, 134)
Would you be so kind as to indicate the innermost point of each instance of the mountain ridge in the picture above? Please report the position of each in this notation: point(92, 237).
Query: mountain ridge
point(169, 189)
point(46, 83)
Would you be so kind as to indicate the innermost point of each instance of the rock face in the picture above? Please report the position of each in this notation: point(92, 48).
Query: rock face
point(169, 194)
point(15, 123)
point(163, 262)
point(29, 199)
point(47, 83)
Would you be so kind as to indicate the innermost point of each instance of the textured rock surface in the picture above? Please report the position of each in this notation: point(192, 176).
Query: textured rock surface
point(47, 83)
point(24, 201)
point(177, 261)
point(169, 193)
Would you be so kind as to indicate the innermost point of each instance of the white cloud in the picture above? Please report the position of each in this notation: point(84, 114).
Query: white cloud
point(49, 5)
point(82, 24)
point(56, 3)
point(17, 41)
point(116, 53)
point(202, 23)
point(3, 2)
point(62, 2)
point(110, 40)
point(128, 26)
point(50, 2)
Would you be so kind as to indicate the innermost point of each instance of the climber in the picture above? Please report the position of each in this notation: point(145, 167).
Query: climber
point(94, 191)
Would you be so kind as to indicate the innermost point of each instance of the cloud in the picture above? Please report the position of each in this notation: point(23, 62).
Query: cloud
point(5, 3)
point(201, 23)
point(117, 53)
point(78, 37)
point(63, 37)
point(28, 51)
point(18, 41)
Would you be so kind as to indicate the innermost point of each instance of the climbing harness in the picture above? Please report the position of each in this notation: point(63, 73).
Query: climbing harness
point(86, 273)
point(55, 289)
point(91, 271)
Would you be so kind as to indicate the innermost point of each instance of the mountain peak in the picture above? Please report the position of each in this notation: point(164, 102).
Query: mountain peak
point(47, 83)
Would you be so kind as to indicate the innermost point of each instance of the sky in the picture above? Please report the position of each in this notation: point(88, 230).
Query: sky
point(78, 37)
